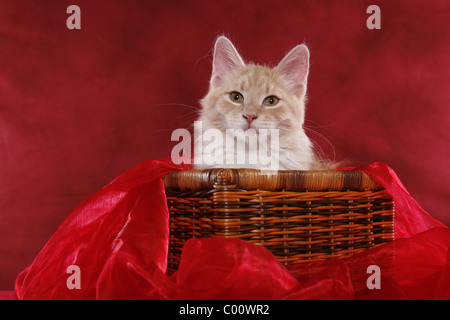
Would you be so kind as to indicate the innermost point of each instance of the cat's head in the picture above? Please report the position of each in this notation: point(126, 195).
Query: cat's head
point(243, 96)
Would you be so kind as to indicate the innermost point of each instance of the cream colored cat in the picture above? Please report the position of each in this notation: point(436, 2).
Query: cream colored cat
point(249, 97)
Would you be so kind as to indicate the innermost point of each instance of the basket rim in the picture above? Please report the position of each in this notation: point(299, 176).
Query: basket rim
point(281, 180)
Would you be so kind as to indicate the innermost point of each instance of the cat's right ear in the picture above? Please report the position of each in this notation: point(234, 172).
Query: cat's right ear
point(295, 68)
point(226, 59)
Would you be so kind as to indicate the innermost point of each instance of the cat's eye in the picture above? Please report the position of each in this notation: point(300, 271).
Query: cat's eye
point(236, 97)
point(271, 101)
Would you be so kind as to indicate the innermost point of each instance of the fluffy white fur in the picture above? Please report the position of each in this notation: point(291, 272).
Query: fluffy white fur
point(287, 82)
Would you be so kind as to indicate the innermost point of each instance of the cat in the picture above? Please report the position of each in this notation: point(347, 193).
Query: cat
point(248, 97)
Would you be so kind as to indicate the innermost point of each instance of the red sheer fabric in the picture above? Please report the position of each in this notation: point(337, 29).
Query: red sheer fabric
point(118, 238)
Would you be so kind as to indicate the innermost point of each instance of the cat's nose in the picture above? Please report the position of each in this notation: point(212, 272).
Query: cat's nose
point(250, 118)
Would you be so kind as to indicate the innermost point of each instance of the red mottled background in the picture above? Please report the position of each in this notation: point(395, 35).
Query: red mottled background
point(79, 107)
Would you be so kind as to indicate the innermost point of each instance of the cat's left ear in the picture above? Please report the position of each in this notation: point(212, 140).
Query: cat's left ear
point(295, 68)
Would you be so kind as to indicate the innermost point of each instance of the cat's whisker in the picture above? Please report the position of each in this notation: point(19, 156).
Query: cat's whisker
point(318, 125)
point(326, 140)
point(186, 118)
point(187, 106)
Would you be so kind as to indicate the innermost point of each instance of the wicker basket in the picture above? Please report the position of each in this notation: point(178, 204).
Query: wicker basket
point(297, 215)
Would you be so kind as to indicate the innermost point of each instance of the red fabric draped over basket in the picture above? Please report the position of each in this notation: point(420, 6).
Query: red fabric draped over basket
point(118, 238)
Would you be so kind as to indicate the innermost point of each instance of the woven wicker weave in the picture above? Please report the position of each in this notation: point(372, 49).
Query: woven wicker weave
point(297, 215)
